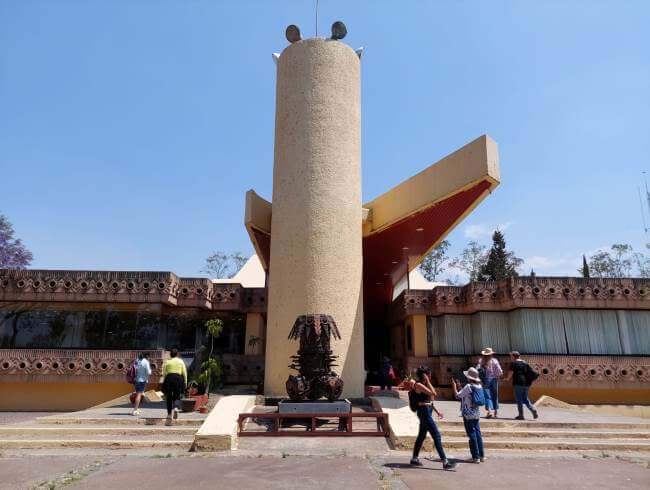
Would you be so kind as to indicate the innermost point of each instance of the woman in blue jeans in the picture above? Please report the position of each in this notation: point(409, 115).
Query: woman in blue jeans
point(470, 412)
point(422, 395)
point(493, 372)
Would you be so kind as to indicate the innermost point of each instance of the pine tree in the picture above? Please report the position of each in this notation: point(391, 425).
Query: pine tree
point(500, 264)
point(585, 268)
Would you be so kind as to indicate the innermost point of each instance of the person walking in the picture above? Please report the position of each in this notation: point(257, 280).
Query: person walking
point(421, 399)
point(385, 371)
point(522, 376)
point(486, 392)
point(471, 397)
point(174, 382)
point(493, 372)
point(142, 373)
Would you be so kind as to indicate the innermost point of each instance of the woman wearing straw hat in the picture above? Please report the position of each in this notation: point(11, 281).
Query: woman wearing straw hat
point(493, 372)
point(471, 397)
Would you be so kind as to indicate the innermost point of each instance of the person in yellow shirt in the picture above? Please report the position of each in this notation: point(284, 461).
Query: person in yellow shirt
point(174, 382)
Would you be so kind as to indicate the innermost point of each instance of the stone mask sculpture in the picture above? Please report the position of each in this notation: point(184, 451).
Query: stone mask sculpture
point(315, 360)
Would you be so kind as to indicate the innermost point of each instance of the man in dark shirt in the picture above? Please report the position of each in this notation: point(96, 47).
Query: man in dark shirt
point(520, 372)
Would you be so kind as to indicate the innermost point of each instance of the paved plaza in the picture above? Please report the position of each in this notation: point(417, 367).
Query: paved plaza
point(158, 471)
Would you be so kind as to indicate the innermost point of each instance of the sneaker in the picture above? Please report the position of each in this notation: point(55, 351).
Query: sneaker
point(482, 459)
point(175, 413)
point(136, 413)
point(520, 417)
point(415, 462)
point(488, 416)
point(449, 465)
point(535, 414)
point(168, 421)
point(476, 460)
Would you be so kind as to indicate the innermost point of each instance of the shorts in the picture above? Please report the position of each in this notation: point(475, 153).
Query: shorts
point(139, 386)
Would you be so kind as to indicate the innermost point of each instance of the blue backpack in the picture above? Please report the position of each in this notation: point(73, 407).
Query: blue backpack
point(478, 397)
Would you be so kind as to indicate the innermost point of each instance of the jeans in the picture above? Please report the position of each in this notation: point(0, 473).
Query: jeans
point(427, 424)
point(492, 389)
point(488, 398)
point(473, 430)
point(521, 395)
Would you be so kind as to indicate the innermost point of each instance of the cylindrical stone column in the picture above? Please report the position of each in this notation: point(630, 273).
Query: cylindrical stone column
point(316, 255)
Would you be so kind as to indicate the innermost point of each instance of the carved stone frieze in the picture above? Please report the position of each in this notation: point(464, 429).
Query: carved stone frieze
point(525, 292)
point(127, 287)
point(46, 365)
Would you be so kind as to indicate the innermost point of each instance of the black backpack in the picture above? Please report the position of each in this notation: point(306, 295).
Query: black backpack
point(413, 401)
point(530, 374)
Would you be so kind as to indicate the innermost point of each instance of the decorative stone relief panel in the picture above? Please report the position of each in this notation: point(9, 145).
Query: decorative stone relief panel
point(91, 366)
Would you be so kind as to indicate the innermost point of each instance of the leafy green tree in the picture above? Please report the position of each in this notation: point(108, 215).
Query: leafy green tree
point(434, 262)
point(500, 263)
point(211, 369)
point(471, 259)
point(616, 262)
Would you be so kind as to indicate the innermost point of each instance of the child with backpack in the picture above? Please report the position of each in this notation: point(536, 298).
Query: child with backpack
point(471, 398)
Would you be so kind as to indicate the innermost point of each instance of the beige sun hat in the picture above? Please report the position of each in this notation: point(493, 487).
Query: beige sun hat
point(472, 375)
point(488, 351)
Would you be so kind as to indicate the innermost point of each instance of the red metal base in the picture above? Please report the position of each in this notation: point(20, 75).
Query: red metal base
point(345, 420)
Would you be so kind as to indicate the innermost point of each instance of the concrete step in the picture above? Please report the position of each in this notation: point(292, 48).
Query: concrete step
point(540, 424)
point(489, 433)
point(536, 445)
point(111, 421)
point(47, 431)
point(96, 443)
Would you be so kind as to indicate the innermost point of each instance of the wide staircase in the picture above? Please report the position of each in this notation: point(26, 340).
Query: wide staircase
point(558, 428)
point(549, 436)
point(99, 433)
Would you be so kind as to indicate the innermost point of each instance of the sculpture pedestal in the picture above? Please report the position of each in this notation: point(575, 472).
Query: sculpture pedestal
point(315, 407)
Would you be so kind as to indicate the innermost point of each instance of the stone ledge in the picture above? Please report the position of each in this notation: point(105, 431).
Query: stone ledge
point(219, 431)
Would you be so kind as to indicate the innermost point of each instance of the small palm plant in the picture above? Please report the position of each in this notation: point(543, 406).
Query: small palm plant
point(211, 369)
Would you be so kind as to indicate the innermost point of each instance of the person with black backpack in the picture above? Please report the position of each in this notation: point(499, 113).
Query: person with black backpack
point(471, 398)
point(421, 402)
point(522, 375)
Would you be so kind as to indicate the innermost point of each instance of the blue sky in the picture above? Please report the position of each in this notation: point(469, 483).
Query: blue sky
point(130, 131)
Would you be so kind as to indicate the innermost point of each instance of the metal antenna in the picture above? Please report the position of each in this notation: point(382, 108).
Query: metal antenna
point(647, 194)
point(316, 18)
point(645, 228)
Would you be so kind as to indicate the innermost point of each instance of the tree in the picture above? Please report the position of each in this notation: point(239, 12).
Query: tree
point(211, 368)
point(584, 270)
point(642, 262)
point(13, 254)
point(500, 263)
point(237, 261)
point(221, 265)
point(435, 261)
point(614, 263)
point(471, 260)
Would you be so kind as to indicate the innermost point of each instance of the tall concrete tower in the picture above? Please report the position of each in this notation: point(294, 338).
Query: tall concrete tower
point(325, 251)
point(316, 243)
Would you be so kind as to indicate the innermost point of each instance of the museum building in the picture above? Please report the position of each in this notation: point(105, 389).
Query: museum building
point(66, 337)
